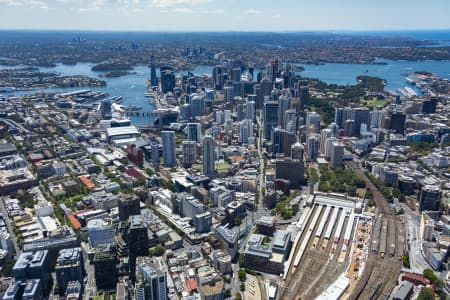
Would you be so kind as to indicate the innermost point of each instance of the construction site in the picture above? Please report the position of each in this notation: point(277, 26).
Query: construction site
point(341, 253)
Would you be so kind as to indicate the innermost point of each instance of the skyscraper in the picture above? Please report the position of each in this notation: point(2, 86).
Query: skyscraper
point(151, 279)
point(167, 80)
point(313, 121)
point(129, 206)
point(270, 118)
point(361, 116)
point(153, 78)
point(105, 108)
point(189, 152)
point(337, 154)
point(69, 267)
point(194, 132)
point(313, 147)
point(397, 122)
point(137, 240)
point(208, 157)
point(34, 265)
point(169, 154)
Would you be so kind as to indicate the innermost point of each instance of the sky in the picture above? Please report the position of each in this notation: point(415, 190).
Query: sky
point(225, 15)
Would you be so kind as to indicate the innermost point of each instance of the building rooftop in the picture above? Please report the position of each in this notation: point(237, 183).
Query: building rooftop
point(31, 259)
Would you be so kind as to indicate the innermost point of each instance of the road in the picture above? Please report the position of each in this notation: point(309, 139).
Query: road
point(416, 259)
point(9, 226)
point(15, 124)
point(90, 289)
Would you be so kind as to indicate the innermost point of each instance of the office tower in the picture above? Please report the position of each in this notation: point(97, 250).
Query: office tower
point(245, 130)
point(288, 141)
point(169, 150)
point(209, 168)
point(197, 105)
point(250, 110)
point(266, 88)
point(342, 115)
point(99, 232)
point(277, 138)
point(129, 206)
point(361, 116)
point(203, 222)
point(272, 70)
point(270, 118)
point(313, 121)
point(105, 109)
point(337, 154)
point(227, 114)
point(228, 95)
point(259, 96)
point(30, 289)
point(34, 265)
point(334, 128)
point(312, 147)
point(324, 135)
point(105, 267)
point(220, 117)
point(185, 111)
point(283, 105)
point(189, 150)
point(236, 74)
point(303, 97)
point(229, 126)
point(297, 151)
point(69, 267)
point(329, 147)
point(290, 169)
point(218, 71)
point(349, 128)
point(376, 118)
point(397, 123)
point(155, 154)
point(194, 132)
point(429, 105)
point(167, 80)
point(429, 198)
point(137, 241)
point(290, 115)
point(153, 78)
point(151, 279)
point(240, 113)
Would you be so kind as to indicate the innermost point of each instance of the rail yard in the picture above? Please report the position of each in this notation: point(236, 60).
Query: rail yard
point(340, 252)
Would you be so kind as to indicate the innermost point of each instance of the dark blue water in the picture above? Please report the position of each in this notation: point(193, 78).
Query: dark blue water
point(131, 87)
point(393, 72)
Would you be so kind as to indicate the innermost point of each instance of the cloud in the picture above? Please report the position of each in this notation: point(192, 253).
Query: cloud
point(172, 3)
point(252, 12)
point(183, 10)
point(26, 4)
point(276, 16)
point(213, 11)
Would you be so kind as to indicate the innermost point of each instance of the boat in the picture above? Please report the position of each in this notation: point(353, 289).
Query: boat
point(132, 108)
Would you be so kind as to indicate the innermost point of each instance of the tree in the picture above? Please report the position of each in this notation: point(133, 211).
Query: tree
point(426, 294)
point(238, 296)
point(7, 269)
point(405, 260)
point(242, 286)
point(241, 274)
point(158, 250)
point(227, 293)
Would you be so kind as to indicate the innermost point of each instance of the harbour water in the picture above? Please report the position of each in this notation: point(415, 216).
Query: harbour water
point(132, 87)
point(394, 72)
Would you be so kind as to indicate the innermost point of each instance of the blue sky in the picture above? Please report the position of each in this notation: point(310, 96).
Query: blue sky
point(224, 15)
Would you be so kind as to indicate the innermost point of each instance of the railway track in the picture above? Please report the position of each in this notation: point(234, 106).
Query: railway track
point(382, 266)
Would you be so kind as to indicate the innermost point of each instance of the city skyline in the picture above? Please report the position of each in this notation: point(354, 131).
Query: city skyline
point(229, 15)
